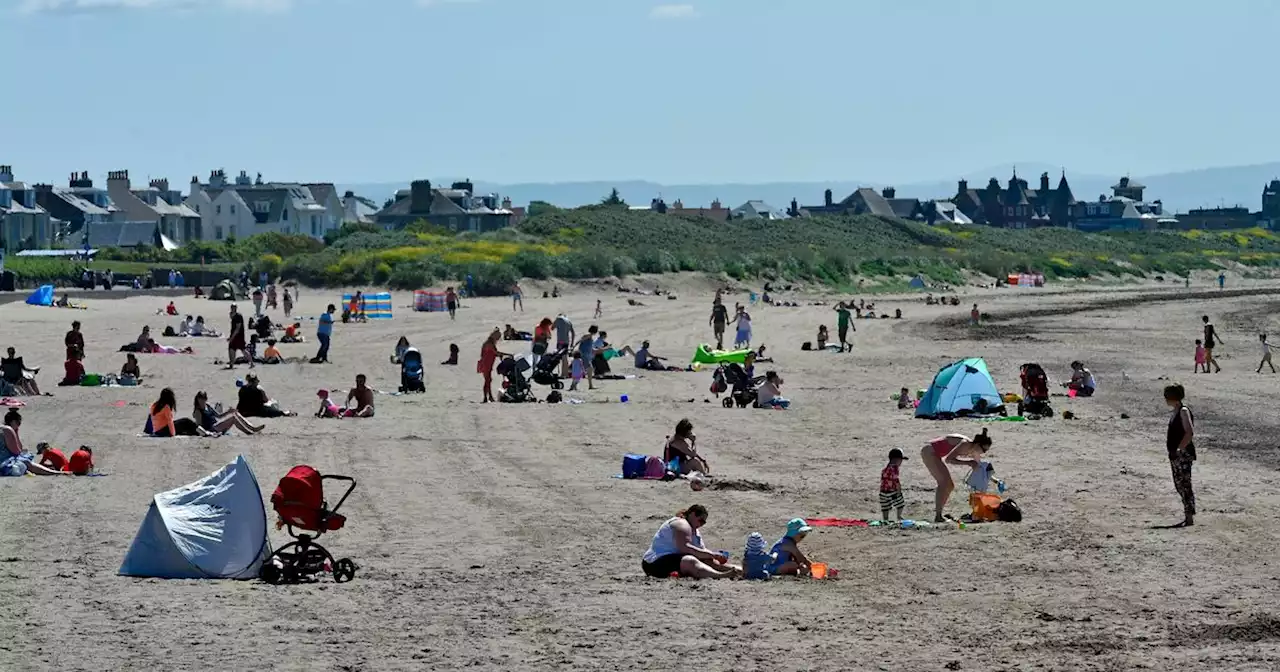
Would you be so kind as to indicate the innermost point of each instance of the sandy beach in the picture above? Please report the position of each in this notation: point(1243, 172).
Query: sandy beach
point(494, 537)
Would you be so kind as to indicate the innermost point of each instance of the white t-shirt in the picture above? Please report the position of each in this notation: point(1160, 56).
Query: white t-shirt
point(766, 393)
point(1266, 348)
point(1088, 379)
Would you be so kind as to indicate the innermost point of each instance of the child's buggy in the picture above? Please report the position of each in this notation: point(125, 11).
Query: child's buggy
point(1035, 391)
point(411, 376)
point(515, 386)
point(299, 502)
point(547, 370)
point(741, 387)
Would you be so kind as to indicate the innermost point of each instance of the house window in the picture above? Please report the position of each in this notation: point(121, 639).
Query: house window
point(217, 232)
point(284, 214)
point(197, 208)
point(475, 223)
point(315, 225)
point(231, 232)
point(233, 209)
point(217, 210)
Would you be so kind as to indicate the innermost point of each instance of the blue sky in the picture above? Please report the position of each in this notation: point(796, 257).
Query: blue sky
point(708, 91)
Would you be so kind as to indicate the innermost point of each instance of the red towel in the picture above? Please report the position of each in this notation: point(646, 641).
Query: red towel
point(836, 522)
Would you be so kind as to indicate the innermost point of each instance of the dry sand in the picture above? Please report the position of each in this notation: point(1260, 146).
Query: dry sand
point(493, 536)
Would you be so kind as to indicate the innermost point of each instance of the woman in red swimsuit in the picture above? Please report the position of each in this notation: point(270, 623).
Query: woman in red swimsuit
point(955, 449)
point(489, 354)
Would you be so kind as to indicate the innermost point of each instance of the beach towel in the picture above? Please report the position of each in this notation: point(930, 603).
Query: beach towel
point(12, 403)
point(837, 522)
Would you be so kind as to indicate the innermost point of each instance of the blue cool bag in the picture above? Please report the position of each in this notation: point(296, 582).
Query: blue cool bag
point(633, 465)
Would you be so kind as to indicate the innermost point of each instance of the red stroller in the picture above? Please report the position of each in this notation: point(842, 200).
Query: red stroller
point(1035, 391)
point(299, 502)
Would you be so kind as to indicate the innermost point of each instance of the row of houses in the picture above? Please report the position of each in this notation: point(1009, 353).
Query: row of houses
point(122, 214)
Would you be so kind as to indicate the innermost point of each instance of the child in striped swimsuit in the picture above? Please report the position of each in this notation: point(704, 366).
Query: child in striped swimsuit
point(890, 487)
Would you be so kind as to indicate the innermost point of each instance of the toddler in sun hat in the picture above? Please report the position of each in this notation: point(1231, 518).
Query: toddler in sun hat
point(756, 561)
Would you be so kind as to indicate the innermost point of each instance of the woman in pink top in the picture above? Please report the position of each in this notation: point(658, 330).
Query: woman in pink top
point(955, 449)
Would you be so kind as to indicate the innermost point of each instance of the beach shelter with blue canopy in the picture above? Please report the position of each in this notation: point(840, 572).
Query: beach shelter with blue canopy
point(214, 528)
point(959, 389)
point(41, 297)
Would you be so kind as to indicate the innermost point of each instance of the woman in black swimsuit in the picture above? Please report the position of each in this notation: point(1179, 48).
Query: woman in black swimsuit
point(1180, 443)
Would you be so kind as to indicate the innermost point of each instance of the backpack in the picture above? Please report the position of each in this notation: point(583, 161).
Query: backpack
point(654, 469)
point(806, 346)
point(1009, 512)
point(554, 397)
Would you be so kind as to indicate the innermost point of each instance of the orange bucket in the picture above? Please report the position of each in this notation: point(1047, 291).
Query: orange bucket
point(818, 570)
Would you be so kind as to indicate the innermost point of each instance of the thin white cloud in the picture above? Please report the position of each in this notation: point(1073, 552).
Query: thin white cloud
point(670, 12)
point(103, 6)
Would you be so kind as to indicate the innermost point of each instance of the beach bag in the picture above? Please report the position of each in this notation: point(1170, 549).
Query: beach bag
point(654, 469)
point(1009, 512)
point(633, 466)
point(91, 380)
point(555, 397)
point(984, 506)
point(806, 346)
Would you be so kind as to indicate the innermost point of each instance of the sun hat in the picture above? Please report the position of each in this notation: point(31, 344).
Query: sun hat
point(755, 544)
point(797, 526)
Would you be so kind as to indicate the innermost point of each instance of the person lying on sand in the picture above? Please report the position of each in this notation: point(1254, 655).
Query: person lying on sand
point(64, 301)
point(14, 461)
point(677, 548)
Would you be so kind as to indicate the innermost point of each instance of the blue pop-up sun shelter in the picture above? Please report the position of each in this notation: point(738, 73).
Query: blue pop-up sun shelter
point(958, 389)
point(215, 528)
point(42, 296)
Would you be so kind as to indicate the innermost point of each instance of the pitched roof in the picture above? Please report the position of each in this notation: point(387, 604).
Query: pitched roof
point(321, 191)
point(76, 201)
point(874, 202)
point(121, 234)
point(904, 208)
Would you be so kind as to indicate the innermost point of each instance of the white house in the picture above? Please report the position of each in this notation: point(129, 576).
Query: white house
point(248, 207)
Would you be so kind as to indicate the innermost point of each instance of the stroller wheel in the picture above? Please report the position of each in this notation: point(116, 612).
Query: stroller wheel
point(344, 570)
point(728, 402)
point(270, 573)
point(558, 385)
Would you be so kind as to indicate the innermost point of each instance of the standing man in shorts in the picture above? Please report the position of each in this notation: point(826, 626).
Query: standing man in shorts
point(565, 336)
point(451, 302)
point(236, 339)
point(1211, 340)
point(719, 318)
point(842, 325)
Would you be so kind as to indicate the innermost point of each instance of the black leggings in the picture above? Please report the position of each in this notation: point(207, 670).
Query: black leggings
point(663, 567)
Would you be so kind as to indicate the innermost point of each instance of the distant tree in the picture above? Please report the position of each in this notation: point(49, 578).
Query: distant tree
point(541, 207)
point(614, 199)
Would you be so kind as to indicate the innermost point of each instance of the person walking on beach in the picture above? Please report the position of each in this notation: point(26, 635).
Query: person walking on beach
point(842, 326)
point(1222, 281)
point(288, 303)
point(1180, 442)
point(719, 319)
point(236, 339)
point(1211, 340)
point(742, 321)
point(974, 315)
point(324, 331)
point(517, 297)
point(1266, 353)
point(451, 302)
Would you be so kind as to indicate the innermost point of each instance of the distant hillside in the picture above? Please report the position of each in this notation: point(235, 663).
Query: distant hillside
point(1209, 187)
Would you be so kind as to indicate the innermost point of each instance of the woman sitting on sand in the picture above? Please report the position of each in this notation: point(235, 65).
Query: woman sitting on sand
point(18, 376)
point(164, 423)
point(74, 369)
point(14, 461)
point(1082, 380)
point(683, 450)
point(211, 423)
point(397, 356)
point(677, 548)
point(953, 449)
point(130, 373)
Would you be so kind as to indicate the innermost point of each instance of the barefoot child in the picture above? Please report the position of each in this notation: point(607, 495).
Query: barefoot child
point(904, 399)
point(1201, 361)
point(328, 409)
point(1266, 353)
point(579, 370)
point(891, 487)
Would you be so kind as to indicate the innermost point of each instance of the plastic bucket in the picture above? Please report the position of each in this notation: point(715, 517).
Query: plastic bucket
point(818, 570)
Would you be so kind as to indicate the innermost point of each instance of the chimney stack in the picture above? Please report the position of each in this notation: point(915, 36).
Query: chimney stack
point(826, 198)
point(888, 192)
point(161, 184)
point(420, 196)
point(6, 173)
point(348, 194)
point(506, 202)
point(1044, 182)
point(962, 187)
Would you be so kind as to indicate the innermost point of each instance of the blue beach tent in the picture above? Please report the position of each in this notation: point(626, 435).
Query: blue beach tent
point(958, 389)
point(215, 528)
point(41, 297)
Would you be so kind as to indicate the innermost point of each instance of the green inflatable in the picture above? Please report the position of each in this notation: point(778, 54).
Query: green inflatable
point(705, 355)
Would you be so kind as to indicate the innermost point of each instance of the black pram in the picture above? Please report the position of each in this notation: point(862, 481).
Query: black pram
point(516, 388)
point(547, 370)
point(742, 388)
